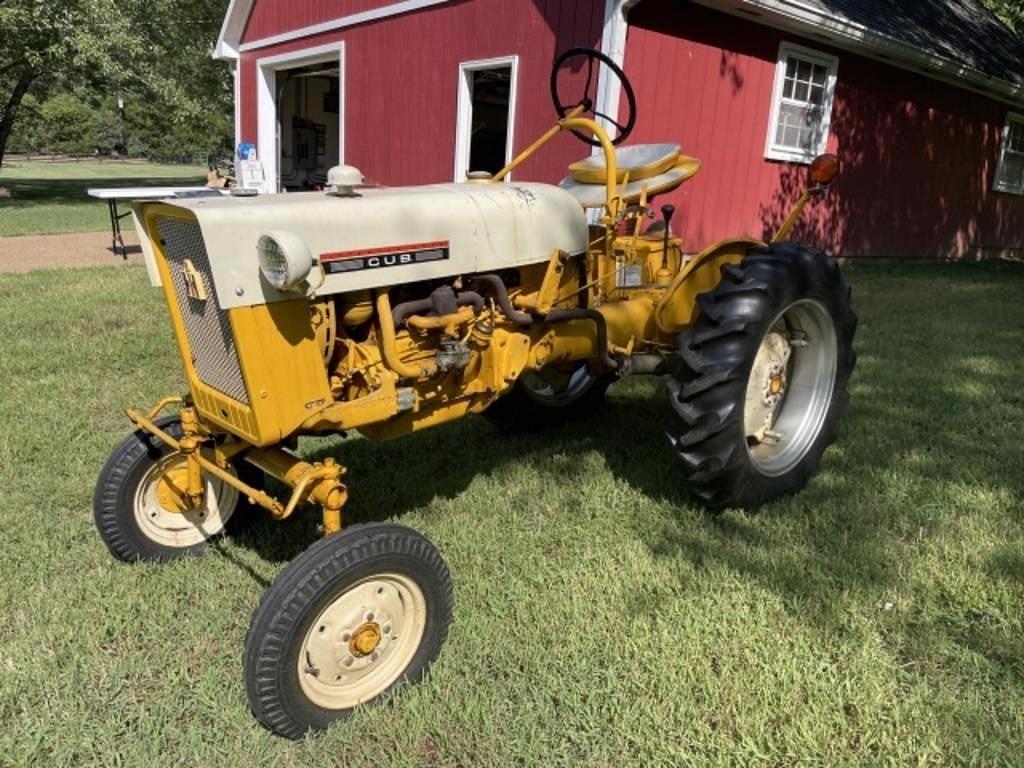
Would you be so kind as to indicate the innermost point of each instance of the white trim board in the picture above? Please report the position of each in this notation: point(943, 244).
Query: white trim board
point(363, 17)
point(464, 111)
point(267, 149)
point(613, 45)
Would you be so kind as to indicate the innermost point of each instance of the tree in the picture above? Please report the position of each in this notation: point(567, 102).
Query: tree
point(156, 53)
point(1010, 12)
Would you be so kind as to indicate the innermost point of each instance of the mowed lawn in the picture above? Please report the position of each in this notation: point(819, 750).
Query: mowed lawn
point(602, 618)
point(50, 198)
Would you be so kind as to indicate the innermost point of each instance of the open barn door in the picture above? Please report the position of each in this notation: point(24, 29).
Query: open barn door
point(301, 117)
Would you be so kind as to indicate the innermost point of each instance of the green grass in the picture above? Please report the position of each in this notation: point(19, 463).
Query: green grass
point(601, 617)
point(49, 198)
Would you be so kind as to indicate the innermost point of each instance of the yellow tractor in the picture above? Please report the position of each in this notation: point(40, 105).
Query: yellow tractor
point(390, 310)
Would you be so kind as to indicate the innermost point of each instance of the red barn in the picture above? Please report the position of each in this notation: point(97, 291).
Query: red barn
point(922, 100)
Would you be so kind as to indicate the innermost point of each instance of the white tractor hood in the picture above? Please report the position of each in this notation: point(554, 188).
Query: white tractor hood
point(384, 236)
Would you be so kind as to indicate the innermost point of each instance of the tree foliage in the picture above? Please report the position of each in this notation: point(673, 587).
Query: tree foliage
point(63, 66)
point(1011, 12)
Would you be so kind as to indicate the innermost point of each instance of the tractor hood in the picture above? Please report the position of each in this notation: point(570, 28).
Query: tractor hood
point(381, 237)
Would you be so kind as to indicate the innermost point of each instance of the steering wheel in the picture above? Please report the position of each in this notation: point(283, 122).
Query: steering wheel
point(563, 108)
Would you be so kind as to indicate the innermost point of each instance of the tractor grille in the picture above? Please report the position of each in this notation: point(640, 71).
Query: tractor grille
point(206, 325)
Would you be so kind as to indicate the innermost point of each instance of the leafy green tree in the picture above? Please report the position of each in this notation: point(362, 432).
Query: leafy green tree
point(1010, 11)
point(153, 53)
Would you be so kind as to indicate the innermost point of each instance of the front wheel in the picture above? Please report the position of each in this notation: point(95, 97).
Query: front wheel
point(139, 503)
point(348, 620)
point(763, 378)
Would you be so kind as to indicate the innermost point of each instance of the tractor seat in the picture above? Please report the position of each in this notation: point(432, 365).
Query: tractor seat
point(640, 161)
point(593, 194)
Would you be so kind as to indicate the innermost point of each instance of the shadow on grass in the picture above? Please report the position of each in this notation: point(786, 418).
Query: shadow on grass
point(930, 438)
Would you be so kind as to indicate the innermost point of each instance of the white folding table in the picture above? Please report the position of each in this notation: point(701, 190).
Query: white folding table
point(113, 195)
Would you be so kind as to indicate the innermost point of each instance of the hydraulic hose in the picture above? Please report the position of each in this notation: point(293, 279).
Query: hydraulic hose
point(501, 296)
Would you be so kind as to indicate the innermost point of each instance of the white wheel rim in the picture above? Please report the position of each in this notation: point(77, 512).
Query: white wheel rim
point(180, 530)
point(799, 355)
point(334, 673)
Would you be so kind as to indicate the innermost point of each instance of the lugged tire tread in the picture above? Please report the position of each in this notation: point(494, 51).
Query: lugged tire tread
point(708, 389)
point(283, 603)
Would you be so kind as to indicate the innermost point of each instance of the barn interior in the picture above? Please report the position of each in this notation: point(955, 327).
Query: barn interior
point(308, 112)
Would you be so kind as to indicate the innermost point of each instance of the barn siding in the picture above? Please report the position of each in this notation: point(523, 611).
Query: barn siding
point(919, 156)
point(273, 18)
point(402, 74)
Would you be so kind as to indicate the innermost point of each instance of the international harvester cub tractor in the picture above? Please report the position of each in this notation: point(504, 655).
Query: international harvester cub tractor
point(391, 310)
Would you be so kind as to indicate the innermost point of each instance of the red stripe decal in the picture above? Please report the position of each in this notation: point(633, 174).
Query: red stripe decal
point(385, 251)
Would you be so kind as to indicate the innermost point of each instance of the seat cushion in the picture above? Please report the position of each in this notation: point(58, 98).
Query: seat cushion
point(640, 161)
point(593, 195)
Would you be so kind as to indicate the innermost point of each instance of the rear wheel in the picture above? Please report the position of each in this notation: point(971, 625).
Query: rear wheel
point(763, 377)
point(550, 396)
point(348, 620)
point(139, 505)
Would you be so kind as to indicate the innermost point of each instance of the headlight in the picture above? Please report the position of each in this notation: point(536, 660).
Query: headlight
point(284, 260)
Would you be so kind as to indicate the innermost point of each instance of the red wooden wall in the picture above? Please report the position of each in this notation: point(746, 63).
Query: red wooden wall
point(401, 77)
point(918, 155)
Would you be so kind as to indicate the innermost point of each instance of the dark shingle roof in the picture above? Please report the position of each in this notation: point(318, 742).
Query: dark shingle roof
point(963, 31)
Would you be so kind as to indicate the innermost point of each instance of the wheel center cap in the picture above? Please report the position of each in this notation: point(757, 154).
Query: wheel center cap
point(170, 490)
point(365, 639)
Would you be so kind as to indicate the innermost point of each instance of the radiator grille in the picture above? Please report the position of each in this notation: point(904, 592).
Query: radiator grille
point(206, 324)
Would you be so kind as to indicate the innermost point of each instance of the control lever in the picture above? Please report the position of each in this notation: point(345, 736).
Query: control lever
point(664, 276)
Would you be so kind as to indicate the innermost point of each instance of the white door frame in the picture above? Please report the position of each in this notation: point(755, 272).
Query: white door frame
point(267, 149)
point(464, 113)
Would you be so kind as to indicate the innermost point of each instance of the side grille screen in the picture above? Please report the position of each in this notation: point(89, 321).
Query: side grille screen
point(206, 324)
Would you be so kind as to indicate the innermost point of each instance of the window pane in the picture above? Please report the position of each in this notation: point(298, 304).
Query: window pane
point(803, 70)
point(801, 92)
point(817, 95)
point(787, 88)
point(1015, 137)
point(1011, 171)
point(799, 127)
point(820, 75)
point(791, 68)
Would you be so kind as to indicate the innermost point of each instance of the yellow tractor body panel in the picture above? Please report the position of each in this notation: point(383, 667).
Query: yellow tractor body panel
point(254, 371)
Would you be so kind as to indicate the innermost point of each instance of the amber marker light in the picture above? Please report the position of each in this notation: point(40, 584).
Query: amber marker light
point(824, 169)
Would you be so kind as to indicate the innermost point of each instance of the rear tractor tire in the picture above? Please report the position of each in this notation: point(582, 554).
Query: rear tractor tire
point(138, 507)
point(763, 377)
point(353, 617)
point(549, 397)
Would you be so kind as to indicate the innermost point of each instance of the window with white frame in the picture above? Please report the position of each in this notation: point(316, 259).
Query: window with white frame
point(485, 119)
point(1010, 171)
point(801, 104)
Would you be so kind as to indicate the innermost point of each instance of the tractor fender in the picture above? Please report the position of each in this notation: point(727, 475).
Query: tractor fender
point(678, 307)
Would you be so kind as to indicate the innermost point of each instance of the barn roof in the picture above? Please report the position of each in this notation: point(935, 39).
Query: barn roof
point(956, 40)
point(961, 30)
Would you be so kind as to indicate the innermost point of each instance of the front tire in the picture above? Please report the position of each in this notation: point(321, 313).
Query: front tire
point(137, 504)
point(351, 618)
point(763, 378)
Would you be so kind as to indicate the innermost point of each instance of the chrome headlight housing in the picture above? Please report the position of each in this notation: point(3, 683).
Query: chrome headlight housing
point(285, 260)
